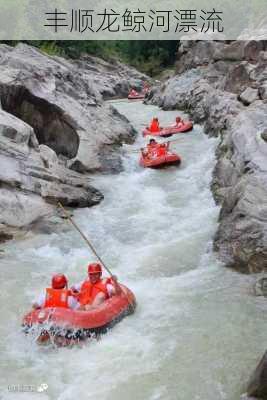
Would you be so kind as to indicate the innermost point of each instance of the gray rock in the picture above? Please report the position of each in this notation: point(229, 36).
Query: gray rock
point(240, 176)
point(230, 52)
point(5, 237)
point(263, 91)
point(260, 287)
point(30, 176)
point(48, 156)
point(252, 49)
point(19, 209)
point(264, 135)
point(248, 96)
point(14, 129)
point(257, 386)
point(238, 77)
point(53, 127)
point(62, 101)
point(259, 71)
point(246, 397)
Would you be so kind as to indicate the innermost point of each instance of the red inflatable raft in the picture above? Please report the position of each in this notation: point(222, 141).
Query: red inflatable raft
point(171, 130)
point(138, 96)
point(159, 161)
point(79, 325)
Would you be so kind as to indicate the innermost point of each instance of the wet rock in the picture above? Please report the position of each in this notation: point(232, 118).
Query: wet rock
point(248, 96)
point(53, 126)
point(4, 237)
point(14, 129)
point(246, 397)
point(264, 135)
point(29, 177)
point(240, 177)
point(62, 101)
point(19, 209)
point(192, 54)
point(257, 386)
point(48, 156)
point(238, 77)
point(112, 79)
point(263, 91)
point(229, 52)
point(252, 49)
point(70, 196)
point(260, 287)
point(241, 237)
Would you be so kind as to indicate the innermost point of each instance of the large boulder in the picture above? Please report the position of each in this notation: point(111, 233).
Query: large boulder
point(263, 91)
point(248, 96)
point(264, 135)
point(20, 209)
point(32, 178)
point(252, 49)
point(230, 52)
point(192, 54)
point(54, 125)
point(62, 101)
point(238, 77)
point(14, 129)
point(242, 235)
point(112, 79)
point(257, 386)
point(260, 288)
point(240, 177)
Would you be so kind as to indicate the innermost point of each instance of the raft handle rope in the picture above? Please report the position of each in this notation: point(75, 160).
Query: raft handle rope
point(91, 247)
point(84, 237)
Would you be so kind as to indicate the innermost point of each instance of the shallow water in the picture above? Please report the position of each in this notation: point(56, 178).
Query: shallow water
point(197, 333)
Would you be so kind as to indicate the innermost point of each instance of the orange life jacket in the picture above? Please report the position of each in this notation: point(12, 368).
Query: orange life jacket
point(89, 291)
point(154, 126)
point(56, 298)
point(161, 150)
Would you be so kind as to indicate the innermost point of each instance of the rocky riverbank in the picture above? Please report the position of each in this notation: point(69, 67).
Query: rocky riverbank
point(54, 129)
point(223, 86)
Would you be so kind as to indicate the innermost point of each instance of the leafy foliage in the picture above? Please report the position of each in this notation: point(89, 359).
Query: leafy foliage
point(149, 56)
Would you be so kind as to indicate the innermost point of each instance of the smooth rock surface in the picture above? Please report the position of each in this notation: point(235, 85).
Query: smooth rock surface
point(249, 95)
point(260, 288)
point(209, 93)
point(54, 125)
point(257, 386)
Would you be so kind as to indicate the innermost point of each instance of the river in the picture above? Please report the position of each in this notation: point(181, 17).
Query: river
point(198, 331)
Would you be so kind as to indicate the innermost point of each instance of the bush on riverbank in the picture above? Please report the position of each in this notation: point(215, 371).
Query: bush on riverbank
point(148, 56)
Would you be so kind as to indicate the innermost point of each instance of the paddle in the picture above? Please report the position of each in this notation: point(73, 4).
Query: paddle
point(92, 248)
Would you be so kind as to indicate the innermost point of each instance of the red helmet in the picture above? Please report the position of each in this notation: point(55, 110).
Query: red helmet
point(94, 268)
point(59, 281)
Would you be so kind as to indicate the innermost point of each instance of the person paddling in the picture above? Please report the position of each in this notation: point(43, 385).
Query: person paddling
point(154, 148)
point(95, 290)
point(133, 92)
point(150, 148)
point(154, 126)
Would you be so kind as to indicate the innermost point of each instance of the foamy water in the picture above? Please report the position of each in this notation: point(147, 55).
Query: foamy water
point(197, 333)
